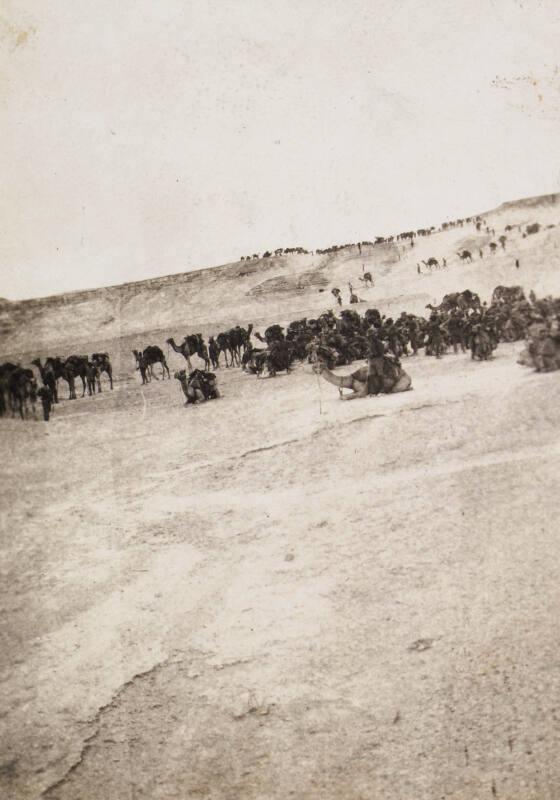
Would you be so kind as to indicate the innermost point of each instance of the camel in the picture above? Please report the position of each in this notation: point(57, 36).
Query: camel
point(280, 355)
point(62, 369)
point(6, 370)
point(239, 339)
point(150, 356)
point(465, 255)
point(48, 377)
point(225, 347)
point(103, 364)
point(198, 386)
point(462, 300)
point(80, 367)
point(22, 388)
point(431, 262)
point(192, 345)
point(509, 294)
point(254, 360)
point(395, 379)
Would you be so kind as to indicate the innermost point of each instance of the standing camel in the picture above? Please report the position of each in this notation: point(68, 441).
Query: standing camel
point(191, 345)
point(62, 369)
point(103, 364)
point(184, 349)
point(22, 388)
point(150, 356)
point(465, 255)
point(80, 367)
point(225, 346)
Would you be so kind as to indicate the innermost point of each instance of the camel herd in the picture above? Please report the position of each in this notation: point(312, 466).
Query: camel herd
point(460, 322)
point(19, 390)
point(399, 237)
point(231, 344)
point(464, 256)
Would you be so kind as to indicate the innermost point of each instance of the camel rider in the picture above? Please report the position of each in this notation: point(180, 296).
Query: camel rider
point(376, 352)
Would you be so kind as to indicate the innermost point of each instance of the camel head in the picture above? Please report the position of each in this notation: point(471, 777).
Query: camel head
point(180, 375)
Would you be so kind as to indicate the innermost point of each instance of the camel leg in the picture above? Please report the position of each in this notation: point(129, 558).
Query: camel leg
point(404, 384)
point(348, 382)
point(360, 390)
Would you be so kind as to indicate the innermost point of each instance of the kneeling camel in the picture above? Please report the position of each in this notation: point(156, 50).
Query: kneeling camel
point(394, 380)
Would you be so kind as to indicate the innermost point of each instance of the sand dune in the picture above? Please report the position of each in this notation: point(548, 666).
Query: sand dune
point(287, 287)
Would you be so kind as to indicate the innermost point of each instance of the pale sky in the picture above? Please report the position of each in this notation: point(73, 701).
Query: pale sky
point(142, 138)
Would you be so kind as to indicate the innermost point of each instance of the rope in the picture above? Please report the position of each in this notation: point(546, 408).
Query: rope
point(319, 387)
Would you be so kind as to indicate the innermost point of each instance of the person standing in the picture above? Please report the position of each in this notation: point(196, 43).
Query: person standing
point(45, 395)
point(376, 352)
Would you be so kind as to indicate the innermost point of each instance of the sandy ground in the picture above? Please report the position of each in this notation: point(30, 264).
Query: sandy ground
point(280, 595)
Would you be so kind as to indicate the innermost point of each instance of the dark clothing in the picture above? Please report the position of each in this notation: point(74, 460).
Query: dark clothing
point(45, 395)
point(375, 375)
point(376, 352)
point(376, 348)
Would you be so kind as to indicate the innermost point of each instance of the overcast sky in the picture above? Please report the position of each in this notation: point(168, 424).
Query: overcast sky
point(145, 137)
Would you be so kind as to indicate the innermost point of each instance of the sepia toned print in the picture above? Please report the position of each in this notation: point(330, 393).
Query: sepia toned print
point(221, 579)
